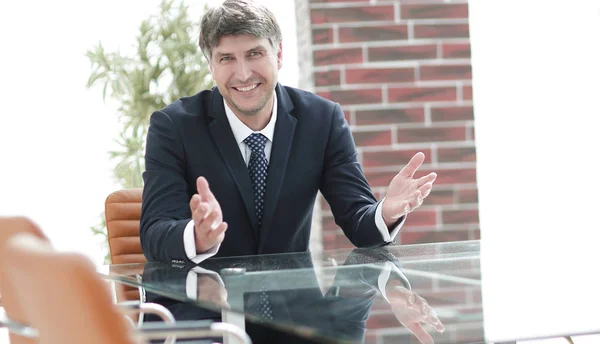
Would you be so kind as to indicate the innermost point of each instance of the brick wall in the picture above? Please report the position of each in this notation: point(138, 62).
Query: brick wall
point(402, 72)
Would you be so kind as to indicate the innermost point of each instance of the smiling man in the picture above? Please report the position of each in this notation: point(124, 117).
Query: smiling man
point(235, 170)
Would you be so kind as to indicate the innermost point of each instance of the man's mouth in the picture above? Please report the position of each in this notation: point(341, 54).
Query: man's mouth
point(246, 88)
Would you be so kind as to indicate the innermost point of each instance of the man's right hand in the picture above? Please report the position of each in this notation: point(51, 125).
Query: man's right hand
point(209, 228)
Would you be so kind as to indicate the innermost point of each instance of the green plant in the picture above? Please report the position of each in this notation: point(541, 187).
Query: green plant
point(167, 65)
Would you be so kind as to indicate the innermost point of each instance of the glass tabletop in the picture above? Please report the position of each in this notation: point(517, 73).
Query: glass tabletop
point(394, 294)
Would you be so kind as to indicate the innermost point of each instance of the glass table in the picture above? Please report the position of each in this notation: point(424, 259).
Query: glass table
point(396, 294)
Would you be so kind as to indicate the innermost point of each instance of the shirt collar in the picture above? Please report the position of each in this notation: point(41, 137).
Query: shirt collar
point(241, 131)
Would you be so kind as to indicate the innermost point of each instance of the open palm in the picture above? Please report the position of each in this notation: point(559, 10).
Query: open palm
point(405, 194)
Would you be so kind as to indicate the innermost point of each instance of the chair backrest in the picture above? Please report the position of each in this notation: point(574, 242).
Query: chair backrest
point(62, 295)
point(122, 211)
point(9, 227)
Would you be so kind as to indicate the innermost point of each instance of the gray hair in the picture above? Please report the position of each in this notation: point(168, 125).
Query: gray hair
point(237, 17)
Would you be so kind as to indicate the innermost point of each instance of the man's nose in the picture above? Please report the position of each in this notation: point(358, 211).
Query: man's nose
point(243, 70)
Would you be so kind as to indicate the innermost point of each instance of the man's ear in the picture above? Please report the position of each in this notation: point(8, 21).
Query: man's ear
point(280, 56)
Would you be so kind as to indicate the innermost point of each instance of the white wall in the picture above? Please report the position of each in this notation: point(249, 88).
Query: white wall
point(536, 82)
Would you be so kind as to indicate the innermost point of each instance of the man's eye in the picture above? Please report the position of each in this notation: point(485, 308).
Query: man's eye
point(226, 58)
point(255, 53)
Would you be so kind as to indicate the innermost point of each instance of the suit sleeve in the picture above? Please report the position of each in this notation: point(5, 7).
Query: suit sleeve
point(165, 200)
point(345, 187)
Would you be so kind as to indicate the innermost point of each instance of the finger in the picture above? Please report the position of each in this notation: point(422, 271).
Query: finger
point(210, 222)
point(195, 202)
point(419, 332)
point(216, 233)
point(426, 189)
point(200, 213)
point(430, 178)
point(421, 306)
point(413, 165)
point(204, 189)
point(433, 320)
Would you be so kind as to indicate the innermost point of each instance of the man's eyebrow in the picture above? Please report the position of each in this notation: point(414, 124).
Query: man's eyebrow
point(258, 47)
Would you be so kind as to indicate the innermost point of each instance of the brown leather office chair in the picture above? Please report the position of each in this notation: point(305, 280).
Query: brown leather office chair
point(65, 301)
point(122, 212)
point(9, 227)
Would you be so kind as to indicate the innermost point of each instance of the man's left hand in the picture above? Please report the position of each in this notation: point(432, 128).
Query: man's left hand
point(406, 194)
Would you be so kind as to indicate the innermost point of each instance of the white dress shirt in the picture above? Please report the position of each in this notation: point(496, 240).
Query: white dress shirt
point(240, 132)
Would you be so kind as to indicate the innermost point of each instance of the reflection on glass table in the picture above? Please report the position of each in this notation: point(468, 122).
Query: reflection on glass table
point(407, 294)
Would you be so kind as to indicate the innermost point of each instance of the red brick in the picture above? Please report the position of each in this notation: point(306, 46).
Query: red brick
point(337, 56)
point(409, 52)
point(392, 157)
point(441, 31)
point(334, 1)
point(328, 224)
point(322, 36)
point(379, 75)
point(420, 218)
point(351, 14)
point(445, 72)
point(373, 33)
point(372, 138)
point(390, 116)
point(452, 50)
point(445, 297)
point(434, 11)
point(335, 240)
point(328, 78)
point(452, 113)
point(408, 238)
point(468, 196)
point(444, 176)
point(407, 135)
point(421, 94)
point(453, 176)
point(382, 320)
point(439, 196)
point(460, 216)
point(467, 92)
point(348, 97)
point(456, 154)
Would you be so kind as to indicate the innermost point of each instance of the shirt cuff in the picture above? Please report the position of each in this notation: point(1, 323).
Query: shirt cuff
point(191, 281)
point(384, 277)
point(190, 245)
point(388, 236)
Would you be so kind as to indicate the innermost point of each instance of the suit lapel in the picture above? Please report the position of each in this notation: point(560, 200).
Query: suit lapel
point(230, 152)
point(280, 152)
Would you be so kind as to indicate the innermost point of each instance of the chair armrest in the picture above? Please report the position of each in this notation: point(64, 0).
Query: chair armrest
point(134, 307)
point(16, 327)
point(192, 329)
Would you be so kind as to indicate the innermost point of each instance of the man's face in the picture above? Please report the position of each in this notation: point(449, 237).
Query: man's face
point(245, 70)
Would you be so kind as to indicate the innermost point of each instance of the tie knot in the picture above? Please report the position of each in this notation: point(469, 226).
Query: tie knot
point(256, 142)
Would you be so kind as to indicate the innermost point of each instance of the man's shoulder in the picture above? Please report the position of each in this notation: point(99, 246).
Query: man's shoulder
point(191, 106)
point(303, 99)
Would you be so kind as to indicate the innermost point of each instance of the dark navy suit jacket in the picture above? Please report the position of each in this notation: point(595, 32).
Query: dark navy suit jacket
point(312, 150)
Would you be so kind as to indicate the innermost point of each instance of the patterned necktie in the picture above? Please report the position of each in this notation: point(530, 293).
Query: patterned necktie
point(257, 166)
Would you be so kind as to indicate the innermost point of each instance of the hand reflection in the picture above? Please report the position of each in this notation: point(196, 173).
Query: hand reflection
point(209, 289)
point(412, 311)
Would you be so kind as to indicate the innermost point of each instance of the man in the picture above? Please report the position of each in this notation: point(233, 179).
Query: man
point(235, 170)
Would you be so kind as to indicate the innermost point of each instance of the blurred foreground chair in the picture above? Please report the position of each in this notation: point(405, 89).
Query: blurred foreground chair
point(10, 308)
point(65, 301)
point(122, 211)
point(9, 227)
